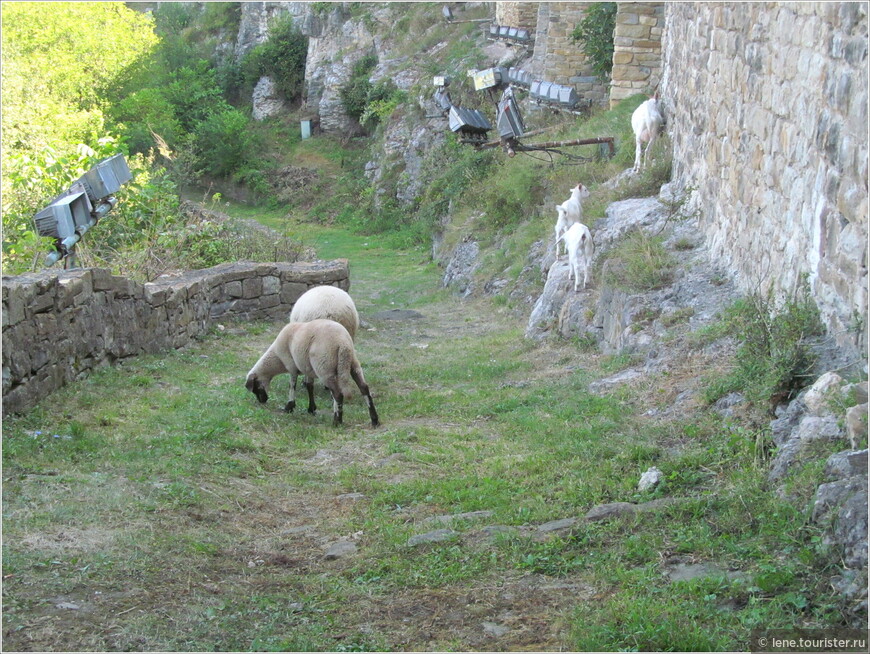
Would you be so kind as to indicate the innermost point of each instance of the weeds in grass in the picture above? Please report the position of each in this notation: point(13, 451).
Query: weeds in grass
point(638, 263)
point(773, 357)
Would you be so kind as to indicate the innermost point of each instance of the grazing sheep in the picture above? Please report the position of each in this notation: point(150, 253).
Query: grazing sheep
point(646, 121)
point(578, 242)
point(570, 212)
point(327, 302)
point(321, 349)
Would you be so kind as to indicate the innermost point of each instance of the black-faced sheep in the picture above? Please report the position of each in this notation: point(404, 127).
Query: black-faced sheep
point(320, 349)
point(329, 303)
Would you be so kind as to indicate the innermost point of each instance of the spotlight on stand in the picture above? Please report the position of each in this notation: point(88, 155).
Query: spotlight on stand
point(81, 206)
point(509, 121)
point(470, 124)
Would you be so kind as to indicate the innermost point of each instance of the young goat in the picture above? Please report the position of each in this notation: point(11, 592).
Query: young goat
point(578, 242)
point(321, 349)
point(570, 212)
point(646, 121)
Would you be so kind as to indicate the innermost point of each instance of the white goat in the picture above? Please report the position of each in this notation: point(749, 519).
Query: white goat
point(578, 242)
point(329, 303)
point(570, 212)
point(320, 349)
point(646, 121)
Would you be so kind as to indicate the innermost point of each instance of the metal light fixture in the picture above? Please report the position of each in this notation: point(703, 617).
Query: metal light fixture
point(77, 209)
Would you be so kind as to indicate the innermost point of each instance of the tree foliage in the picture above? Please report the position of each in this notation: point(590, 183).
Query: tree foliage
point(58, 61)
point(595, 33)
point(282, 57)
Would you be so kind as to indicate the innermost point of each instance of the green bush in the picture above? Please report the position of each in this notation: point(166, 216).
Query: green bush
point(143, 112)
point(595, 32)
point(382, 100)
point(355, 93)
point(225, 143)
point(281, 57)
point(195, 93)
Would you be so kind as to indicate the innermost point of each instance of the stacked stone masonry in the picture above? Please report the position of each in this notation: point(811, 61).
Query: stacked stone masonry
point(517, 14)
point(556, 58)
point(637, 49)
point(766, 106)
point(58, 326)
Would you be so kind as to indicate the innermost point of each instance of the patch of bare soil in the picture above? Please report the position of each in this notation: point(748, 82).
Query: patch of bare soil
point(521, 612)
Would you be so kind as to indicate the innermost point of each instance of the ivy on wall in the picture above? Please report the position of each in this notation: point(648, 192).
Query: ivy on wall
point(595, 34)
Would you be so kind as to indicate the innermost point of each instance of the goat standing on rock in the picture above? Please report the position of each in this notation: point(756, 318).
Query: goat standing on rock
point(320, 349)
point(570, 212)
point(646, 121)
point(578, 242)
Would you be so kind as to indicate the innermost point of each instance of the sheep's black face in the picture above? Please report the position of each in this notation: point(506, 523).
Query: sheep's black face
point(256, 387)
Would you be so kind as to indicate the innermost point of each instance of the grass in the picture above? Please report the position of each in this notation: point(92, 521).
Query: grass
point(188, 517)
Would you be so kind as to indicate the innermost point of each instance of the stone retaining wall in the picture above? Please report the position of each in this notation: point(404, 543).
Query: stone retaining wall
point(517, 14)
point(557, 58)
point(637, 49)
point(59, 325)
point(767, 111)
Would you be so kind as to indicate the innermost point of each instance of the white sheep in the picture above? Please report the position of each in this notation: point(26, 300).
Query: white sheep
point(578, 242)
point(646, 121)
point(327, 302)
point(570, 212)
point(321, 349)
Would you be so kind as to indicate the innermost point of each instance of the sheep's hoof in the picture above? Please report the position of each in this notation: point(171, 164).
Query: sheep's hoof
point(288, 408)
point(312, 410)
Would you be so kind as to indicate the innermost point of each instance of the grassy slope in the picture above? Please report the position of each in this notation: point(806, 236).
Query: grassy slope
point(178, 514)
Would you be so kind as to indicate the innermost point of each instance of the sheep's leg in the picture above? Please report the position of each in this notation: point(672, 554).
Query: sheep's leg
point(337, 401)
point(291, 403)
point(309, 386)
point(337, 408)
point(357, 376)
point(557, 241)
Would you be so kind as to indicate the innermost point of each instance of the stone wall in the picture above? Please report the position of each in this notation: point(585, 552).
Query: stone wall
point(59, 325)
point(556, 58)
point(637, 49)
point(767, 112)
point(517, 14)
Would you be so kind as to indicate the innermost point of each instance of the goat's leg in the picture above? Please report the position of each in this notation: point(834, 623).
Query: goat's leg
point(357, 375)
point(638, 144)
point(291, 402)
point(652, 139)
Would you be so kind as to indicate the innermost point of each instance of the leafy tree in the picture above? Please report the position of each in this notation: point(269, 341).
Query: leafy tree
point(195, 94)
point(142, 114)
point(58, 61)
point(595, 33)
point(224, 142)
